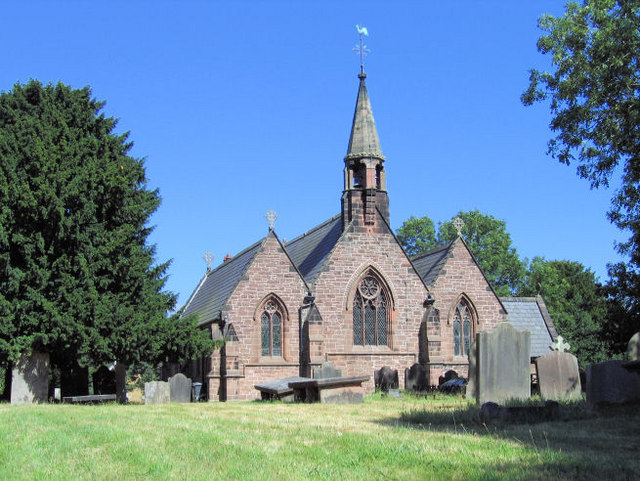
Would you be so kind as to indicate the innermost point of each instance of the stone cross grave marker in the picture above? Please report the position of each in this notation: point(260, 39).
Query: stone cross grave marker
point(560, 345)
point(503, 364)
point(558, 376)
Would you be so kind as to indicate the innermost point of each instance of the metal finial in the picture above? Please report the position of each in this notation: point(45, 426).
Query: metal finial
point(271, 217)
point(361, 49)
point(560, 345)
point(458, 223)
point(208, 258)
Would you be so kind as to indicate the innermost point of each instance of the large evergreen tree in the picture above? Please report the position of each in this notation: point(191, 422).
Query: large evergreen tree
point(77, 275)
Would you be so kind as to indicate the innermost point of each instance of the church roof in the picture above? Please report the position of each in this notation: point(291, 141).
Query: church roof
point(430, 263)
point(531, 313)
point(311, 250)
point(363, 142)
point(217, 285)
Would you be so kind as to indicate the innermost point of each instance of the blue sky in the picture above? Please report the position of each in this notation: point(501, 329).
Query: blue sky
point(243, 107)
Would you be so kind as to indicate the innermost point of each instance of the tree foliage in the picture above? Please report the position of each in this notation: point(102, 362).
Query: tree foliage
point(417, 235)
point(77, 275)
point(577, 304)
point(594, 96)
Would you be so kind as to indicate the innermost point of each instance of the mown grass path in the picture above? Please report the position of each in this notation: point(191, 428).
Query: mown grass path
point(273, 441)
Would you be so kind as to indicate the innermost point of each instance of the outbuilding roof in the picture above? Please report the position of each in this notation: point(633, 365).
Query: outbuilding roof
point(531, 313)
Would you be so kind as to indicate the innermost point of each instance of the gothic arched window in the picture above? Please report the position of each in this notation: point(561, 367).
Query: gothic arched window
point(462, 327)
point(371, 312)
point(271, 329)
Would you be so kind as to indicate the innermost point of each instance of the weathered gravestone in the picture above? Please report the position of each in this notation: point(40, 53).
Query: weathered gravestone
point(385, 379)
point(156, 392)
point(503, 364)
point(610, 383)
point(326, 371)
point(121, 382)
point(30, 379)
point(104, 381)
point(416, 378)
point(558, 376)
point(470, 392)
point(447, 376)
point(180, 388)
point(633, 348)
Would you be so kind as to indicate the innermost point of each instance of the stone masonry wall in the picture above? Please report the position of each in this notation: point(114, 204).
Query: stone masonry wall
point(271, 272)
point(459, 276)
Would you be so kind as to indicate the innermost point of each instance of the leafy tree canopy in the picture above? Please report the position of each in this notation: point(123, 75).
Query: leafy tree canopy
point(593, 92)
point(577, 304)
point(77, 276)
point(417, 235)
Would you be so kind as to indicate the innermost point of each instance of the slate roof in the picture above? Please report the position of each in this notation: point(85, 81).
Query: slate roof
point(531, 313)
point(430, 263)
point(363, 141)
point(217, 285)
point(311, 250)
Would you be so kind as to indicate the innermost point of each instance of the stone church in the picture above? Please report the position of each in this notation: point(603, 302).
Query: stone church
point(344, 291)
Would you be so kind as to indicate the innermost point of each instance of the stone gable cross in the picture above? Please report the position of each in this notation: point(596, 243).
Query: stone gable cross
point(271, 217)
point(458, 223)
point(560, 345)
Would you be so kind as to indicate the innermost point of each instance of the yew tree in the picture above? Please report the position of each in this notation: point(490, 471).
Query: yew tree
point(78, 276)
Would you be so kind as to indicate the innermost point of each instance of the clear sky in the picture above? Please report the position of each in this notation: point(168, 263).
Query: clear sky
point(242, 107)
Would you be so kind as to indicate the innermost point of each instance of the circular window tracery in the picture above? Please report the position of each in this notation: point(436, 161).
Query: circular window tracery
point(369, 288)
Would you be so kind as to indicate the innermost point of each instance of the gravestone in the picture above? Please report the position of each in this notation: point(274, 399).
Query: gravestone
point(104, 381)
point(326, 371)
point(30, 379)
point(180, 388)
point(74, 380)
point(447, 376)
point(156, 392)
point(121, 382)
point(470, 391)
point(610, 383)
point(633, 348)
point(385, 378)
point(416, 378)
point(558, 376)
point(503, 364)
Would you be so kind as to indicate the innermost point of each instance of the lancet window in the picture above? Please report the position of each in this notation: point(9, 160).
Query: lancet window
point(462, 329)
point(271, 329)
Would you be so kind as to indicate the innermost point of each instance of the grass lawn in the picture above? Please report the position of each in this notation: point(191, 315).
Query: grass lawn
point(382, 439)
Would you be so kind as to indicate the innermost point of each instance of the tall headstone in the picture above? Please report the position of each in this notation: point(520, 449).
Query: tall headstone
point(472, 381)
point(120, 370)
point(610, 383)
point(633, 348)
point(385, 379)
point(558, 376)
point(104, 381)
point(30, 379)
point(180, 388)
point(326, 371)
point(503, 364)
point(156, 392)
point(416, 378)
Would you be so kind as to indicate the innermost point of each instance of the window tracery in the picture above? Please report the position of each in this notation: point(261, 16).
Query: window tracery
point(462, 328)
point(271, 329)
point(371, 312)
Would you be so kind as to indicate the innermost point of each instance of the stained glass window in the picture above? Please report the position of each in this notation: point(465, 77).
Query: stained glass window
point(370, 313)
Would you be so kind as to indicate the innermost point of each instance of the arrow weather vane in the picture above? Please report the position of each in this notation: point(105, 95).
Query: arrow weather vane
point(361, 49)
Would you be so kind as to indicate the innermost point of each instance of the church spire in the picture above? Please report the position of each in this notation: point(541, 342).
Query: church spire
point(365, 191)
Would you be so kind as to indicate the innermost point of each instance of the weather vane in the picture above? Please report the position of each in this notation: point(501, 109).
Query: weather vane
point(208, 258)
point(458, 223)
point(271, 217)
point(361, 49)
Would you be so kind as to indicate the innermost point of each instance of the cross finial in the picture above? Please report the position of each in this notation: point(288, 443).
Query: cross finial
point(208, 258)
point(458, 223)
point(361, 49)
point(271, 217)
point(560, 345)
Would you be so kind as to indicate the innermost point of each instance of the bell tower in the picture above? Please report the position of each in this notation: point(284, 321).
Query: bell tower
point(365, 191)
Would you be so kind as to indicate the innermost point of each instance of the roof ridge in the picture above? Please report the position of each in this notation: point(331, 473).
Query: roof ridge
point(433, 251)
point(237, 256)
point(312, 230)
point(517, 299)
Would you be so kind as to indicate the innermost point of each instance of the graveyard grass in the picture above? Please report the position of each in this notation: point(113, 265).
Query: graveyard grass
point(383, 439)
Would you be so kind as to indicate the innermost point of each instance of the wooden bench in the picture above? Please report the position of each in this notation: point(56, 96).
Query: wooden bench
point(278, 389)
point(97, 398)
point(336, 390)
